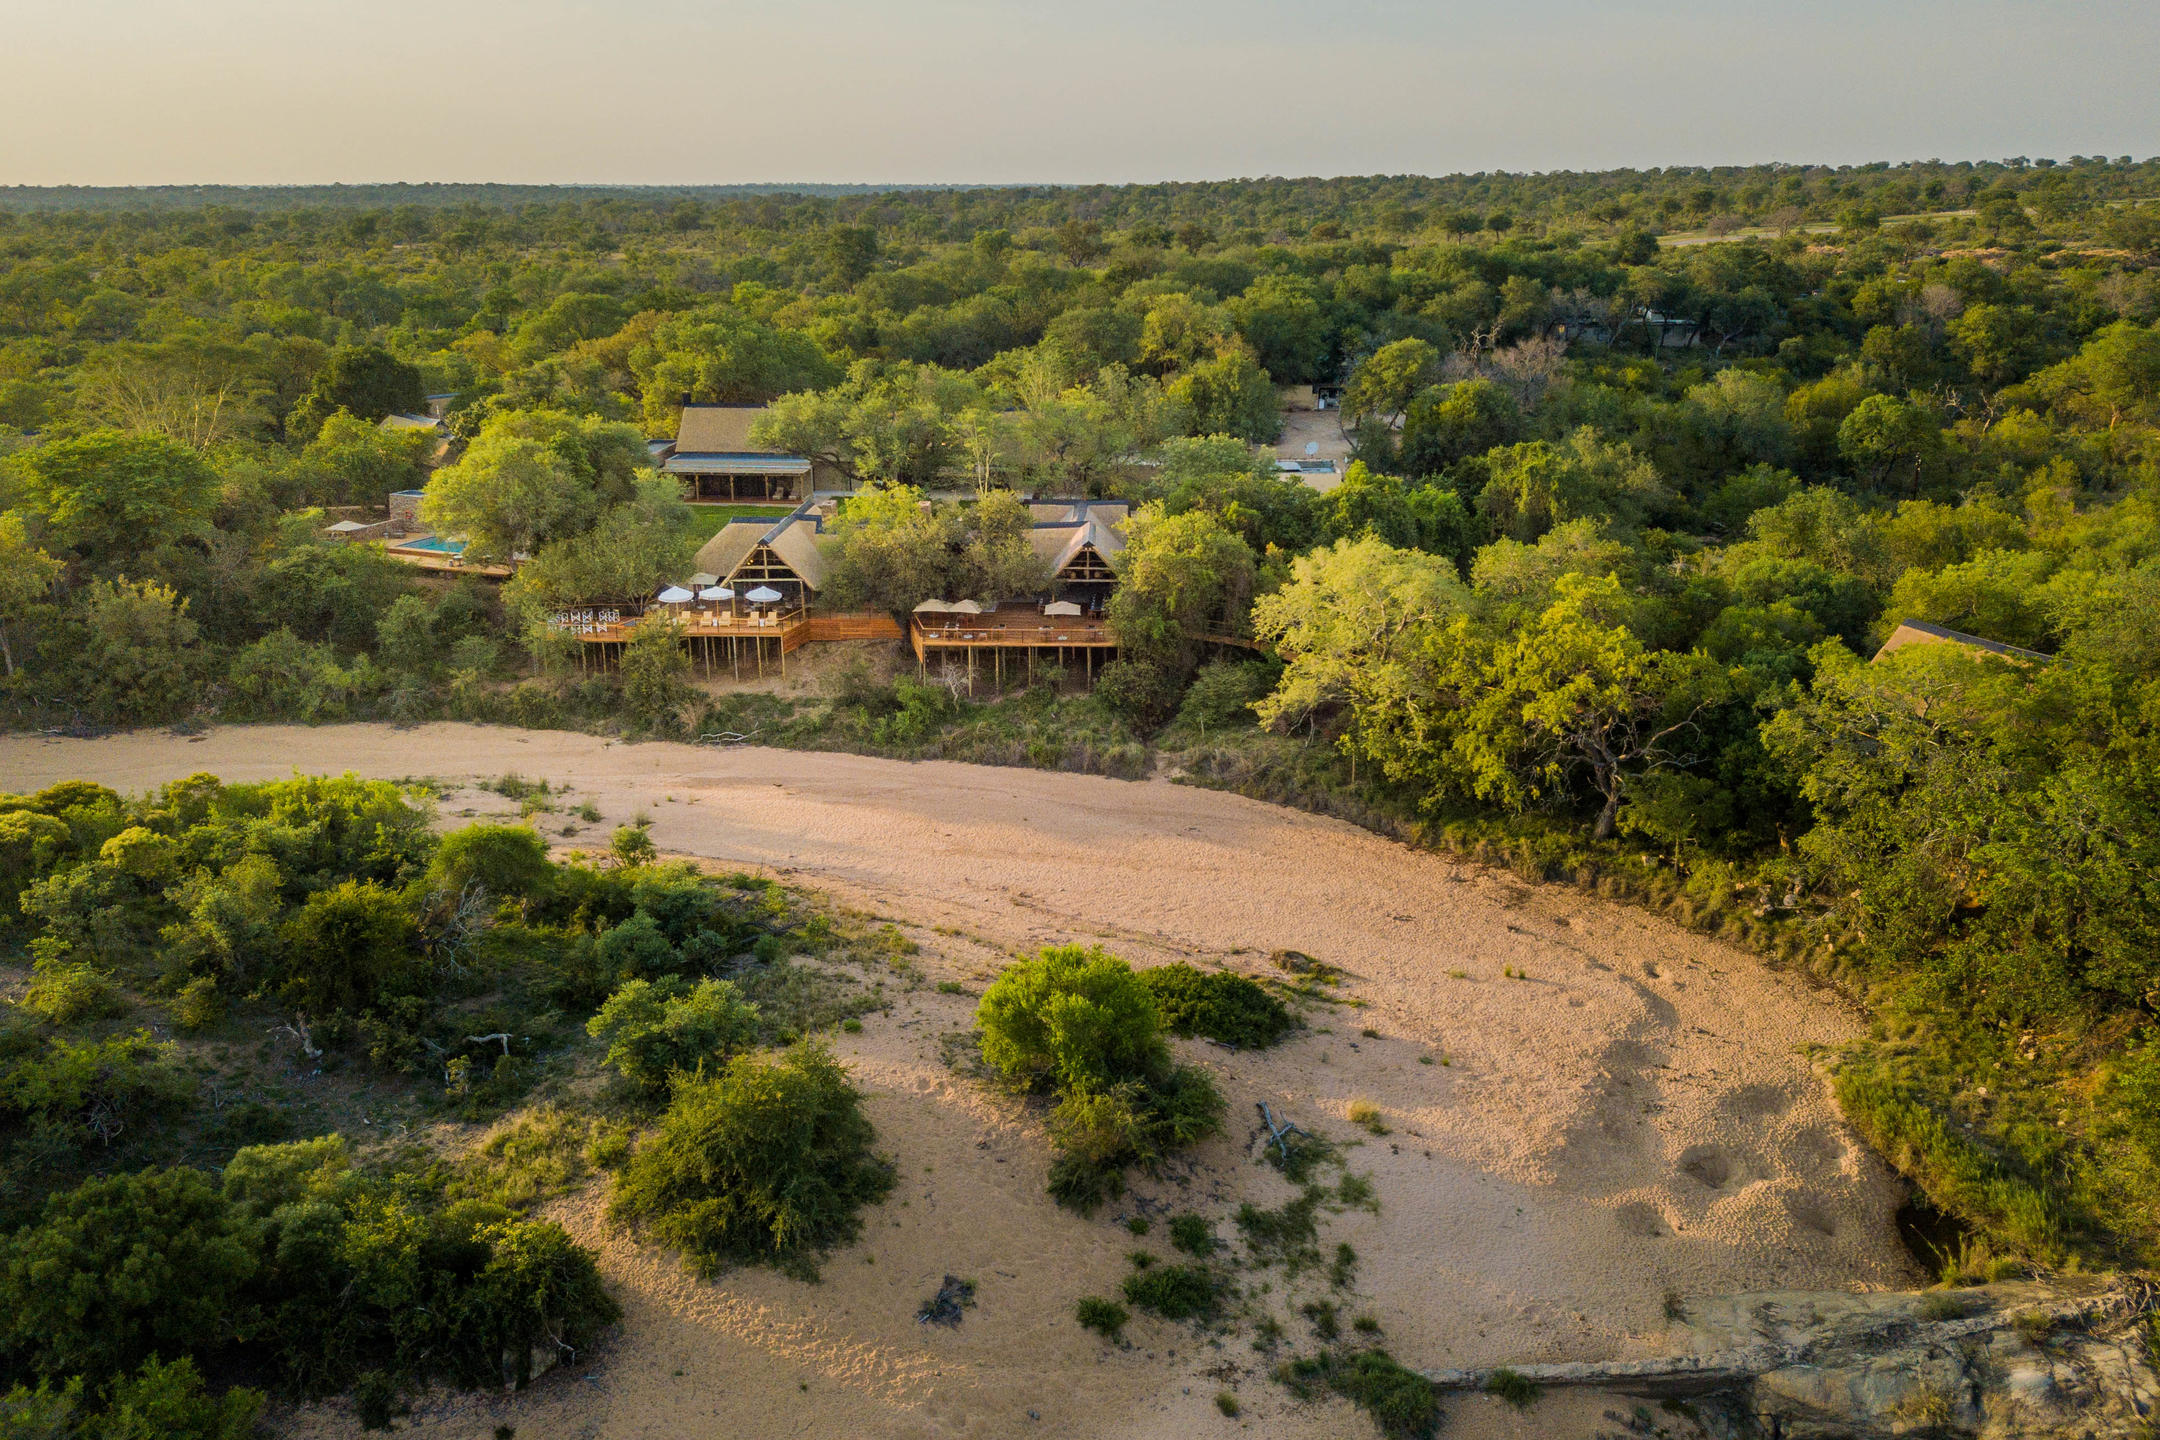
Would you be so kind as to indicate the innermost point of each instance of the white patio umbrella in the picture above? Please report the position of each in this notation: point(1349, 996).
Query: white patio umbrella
point(933, 607)
point(968, 607)
point(763, 595)
point(717, 592)
point(674, 595)
point(1061, 607)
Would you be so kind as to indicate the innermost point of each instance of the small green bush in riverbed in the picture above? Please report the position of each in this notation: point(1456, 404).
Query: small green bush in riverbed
point(766, 1164)
point(1223, 1007)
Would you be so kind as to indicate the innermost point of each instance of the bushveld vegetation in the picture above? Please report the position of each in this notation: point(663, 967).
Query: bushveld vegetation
point(176, 1209)
point(1594, 600)
point(1077, 1023)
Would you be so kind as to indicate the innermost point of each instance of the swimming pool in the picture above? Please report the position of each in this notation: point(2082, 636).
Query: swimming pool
point(433, 543)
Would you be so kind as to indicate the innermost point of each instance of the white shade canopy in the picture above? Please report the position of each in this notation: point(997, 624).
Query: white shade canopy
point(933, 607)
point(717, 592)
point(704, 578)
point(1061, 607)
point(674, 595)
point(763, 595)
point(967, 607)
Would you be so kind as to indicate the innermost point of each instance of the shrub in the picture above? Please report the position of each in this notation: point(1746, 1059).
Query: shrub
point(168, 1402)
point(69, 992)
point(1079, 1022)
point(348, 947)
point(121, 1268)
point(1193, 1235)
point(632, 845)
point(1220, 1006)
point(198, 1006)
point(1402, 1403)
point(1227, 1403)
point(636, 948)
point(508, 861)
point(1105, 1317)
point(1366, 1116)
point(1073, 1017)
point(766, 1163)
point(1518, 1390)
point(1175, 1292)
point(656, 1030)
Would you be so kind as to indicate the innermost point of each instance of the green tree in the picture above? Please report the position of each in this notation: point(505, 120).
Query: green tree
point(508, 496)
point(657, 1030)
point(1229, 395)
point(1884, 435)
point(2116, 375)
point(105, 498)
point(892, 550)
point(629, 553)
point(129, 653)
point(347, 947)
point(766, 1163)
point(1347, 623)
point(26, 577)
point(1281, 317)
point(721, 356)
point(365, 379)
point(509, 862)
point(1518, 719)
point(1444, 427)
point(851, 253)
point(999, 560)
point(1180, 577)
point(122, 1268)
point(655, 675)
point(351, 462)
point(1536, 485)
point(1388, 380)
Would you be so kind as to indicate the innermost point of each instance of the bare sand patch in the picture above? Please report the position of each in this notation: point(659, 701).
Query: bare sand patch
point(1632, 1117)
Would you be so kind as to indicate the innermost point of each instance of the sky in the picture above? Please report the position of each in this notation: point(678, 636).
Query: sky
point(123, 92)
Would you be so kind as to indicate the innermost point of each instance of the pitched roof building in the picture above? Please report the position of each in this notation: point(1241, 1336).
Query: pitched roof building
point(712, 454)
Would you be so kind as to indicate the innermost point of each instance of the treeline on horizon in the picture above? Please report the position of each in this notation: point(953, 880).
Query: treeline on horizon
point(1663, 196)
point(1599, 595)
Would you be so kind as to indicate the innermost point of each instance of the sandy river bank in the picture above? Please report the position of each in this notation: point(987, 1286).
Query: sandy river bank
point(1633, 1117)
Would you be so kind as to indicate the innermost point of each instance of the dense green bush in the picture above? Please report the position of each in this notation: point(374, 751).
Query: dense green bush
point(766, 1163)
point(509, 862)
point(1077, 1022)
point(1218, 1005)
point(658, 1030)
point(124, 1268)
point(1073, 1018)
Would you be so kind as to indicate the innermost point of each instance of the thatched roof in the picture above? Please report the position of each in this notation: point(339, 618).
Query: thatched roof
point(1062, 544)
point(793, 539)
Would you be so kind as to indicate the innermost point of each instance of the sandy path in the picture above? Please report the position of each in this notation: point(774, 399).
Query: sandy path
point(1633, 1117)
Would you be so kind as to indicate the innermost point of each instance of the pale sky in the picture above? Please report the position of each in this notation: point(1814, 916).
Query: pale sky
point(114, 92)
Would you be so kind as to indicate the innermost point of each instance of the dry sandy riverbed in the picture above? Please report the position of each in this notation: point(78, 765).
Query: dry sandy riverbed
point(1632, 1118)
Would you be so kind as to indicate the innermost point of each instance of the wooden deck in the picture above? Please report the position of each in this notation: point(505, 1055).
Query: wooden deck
point(719, 640)
point(1020, 631)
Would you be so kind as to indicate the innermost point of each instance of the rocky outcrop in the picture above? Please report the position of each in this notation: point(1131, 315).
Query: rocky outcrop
point(2065, 1358)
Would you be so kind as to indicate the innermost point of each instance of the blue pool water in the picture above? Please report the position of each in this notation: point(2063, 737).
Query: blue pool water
point(433, 542)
